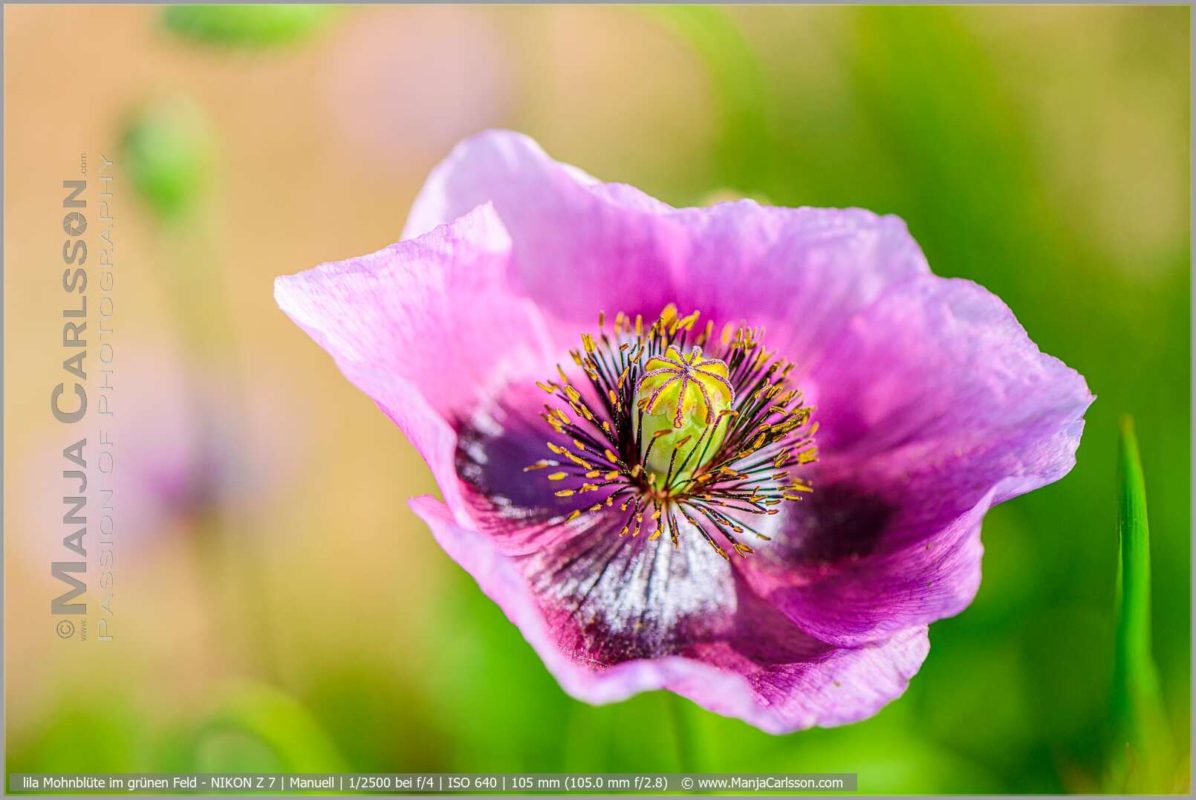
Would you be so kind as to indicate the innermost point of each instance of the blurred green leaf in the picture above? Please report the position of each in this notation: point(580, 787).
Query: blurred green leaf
point(234, 751)
point(86, 731)
point(256, 728)
point(355, 700)
point(245, 25)
point(483, 679)
point(1141, 743)
point(891, 753)
point(167, 151)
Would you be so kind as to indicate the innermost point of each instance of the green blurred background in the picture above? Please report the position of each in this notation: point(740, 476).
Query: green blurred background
point(286, 610)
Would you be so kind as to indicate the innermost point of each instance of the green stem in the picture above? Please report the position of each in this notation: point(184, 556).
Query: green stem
point(682, 733)
point(195, 288)
point(747, 146)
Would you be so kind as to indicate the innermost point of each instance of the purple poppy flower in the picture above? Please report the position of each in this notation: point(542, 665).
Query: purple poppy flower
point(615, 397)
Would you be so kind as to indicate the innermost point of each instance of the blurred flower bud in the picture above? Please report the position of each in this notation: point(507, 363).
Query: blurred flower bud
point(245, 25)
point(166, 149)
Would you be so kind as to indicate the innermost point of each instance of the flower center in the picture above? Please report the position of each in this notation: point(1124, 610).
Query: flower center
point(682, 398)
point(674, 438)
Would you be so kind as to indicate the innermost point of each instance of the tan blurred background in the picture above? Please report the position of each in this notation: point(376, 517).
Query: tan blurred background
point(298, 180)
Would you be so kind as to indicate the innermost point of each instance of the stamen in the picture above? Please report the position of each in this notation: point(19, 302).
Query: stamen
point(678, 433)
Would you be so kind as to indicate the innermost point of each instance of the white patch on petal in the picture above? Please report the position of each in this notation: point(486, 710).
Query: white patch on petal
point(648, 594)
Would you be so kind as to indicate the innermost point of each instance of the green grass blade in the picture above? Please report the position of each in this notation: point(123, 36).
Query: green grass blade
point(1141, 747)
